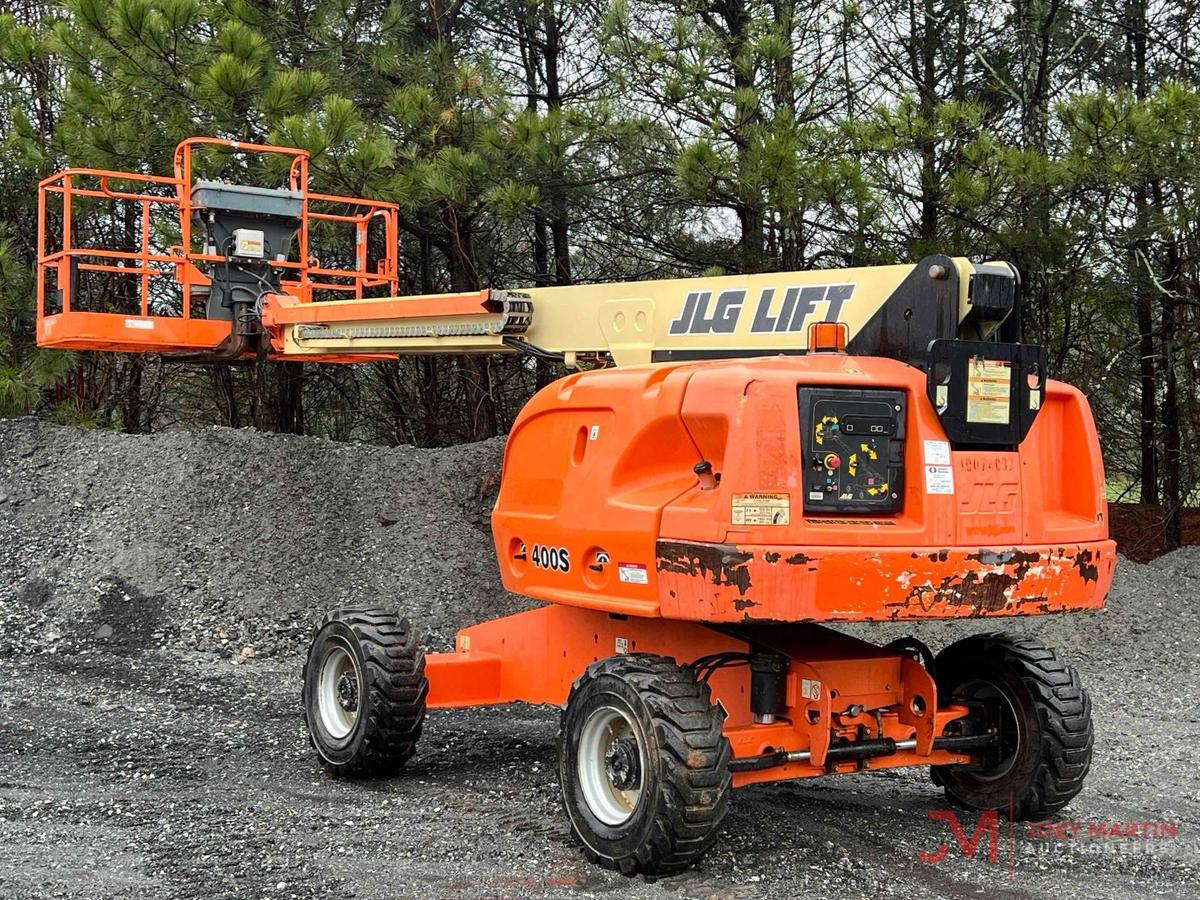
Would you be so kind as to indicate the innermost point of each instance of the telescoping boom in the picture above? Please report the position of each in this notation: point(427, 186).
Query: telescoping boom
point(245, 275)
point(888, 310)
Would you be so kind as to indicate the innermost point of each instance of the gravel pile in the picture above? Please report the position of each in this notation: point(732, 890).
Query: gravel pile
point(137, 760)
point(223, 539)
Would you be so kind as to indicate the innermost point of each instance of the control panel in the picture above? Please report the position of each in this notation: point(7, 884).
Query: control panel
point(853, 450)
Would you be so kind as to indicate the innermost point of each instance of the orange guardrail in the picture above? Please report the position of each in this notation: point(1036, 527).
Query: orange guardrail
point(134, 232)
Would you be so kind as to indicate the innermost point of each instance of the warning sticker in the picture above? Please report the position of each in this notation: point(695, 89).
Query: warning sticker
point(140, 324)
point(939, 480)
point(810, 689)
point(937, 453)
point(989, 384)
point(761, 509)
point(632, 573)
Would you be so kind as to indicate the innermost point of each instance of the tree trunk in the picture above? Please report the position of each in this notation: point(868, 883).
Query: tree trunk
point(748, 204)
point(225, 394)
point(1172, 443)
point(1144, 287)
point(926, 78)
point(287, 397)
point(559, 222)
point(132, 408)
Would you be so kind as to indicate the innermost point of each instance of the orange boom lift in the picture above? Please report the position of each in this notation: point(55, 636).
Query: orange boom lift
point(742, 462)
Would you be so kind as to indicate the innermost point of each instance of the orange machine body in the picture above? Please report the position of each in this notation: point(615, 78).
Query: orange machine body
point(835, 683)
point(602, 513)
point(599, 505)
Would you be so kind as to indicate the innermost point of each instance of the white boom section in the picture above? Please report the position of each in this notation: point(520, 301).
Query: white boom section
point(632, 323)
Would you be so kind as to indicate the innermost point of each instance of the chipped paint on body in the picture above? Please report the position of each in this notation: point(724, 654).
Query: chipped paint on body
point(732, 582)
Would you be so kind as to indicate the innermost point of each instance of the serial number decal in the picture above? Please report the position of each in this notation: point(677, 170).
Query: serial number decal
point(787, 310)
point(556, 559)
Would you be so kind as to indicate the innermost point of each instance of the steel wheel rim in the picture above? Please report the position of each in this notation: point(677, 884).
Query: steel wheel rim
point(339, 693)
point(983, 689)
point(606, 734)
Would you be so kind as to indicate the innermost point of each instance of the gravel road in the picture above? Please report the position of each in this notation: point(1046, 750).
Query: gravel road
point(140, 758)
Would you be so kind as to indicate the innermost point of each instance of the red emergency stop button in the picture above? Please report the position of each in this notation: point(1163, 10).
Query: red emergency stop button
point(832, 461)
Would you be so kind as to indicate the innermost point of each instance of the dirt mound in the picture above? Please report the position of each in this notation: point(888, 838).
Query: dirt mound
point(224, 538)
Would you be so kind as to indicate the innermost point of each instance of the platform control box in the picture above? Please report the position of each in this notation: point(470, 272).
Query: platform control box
point(853, 450)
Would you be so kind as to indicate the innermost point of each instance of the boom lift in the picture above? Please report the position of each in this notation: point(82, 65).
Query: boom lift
point(740, 463)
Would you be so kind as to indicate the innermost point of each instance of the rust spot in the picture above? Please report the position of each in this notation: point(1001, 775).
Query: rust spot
point(937, 556)
point(986, 592)
point(1022, 559)
point(772, 556)
point(741, 604)
point(983, 593)
point(723, 564)
point(797, 559)
point(1087, 568)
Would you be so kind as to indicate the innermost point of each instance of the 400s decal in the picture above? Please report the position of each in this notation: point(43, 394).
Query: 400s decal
point(557, 559)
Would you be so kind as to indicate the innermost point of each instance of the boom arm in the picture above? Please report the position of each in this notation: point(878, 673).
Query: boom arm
point(247, 275)
point(888, 310)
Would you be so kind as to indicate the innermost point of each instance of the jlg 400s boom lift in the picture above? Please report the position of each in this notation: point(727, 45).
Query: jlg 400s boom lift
point(742, 462)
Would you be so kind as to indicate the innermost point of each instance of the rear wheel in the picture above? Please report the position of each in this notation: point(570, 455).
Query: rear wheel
point(364, 692)
point(643, 764)
point(1044, 719)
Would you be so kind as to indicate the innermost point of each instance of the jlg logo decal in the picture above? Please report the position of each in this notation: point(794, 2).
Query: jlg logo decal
point(796, 306)
point(557, 559)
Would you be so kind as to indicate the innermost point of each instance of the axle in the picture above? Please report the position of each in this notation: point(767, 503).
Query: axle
point(859, 750)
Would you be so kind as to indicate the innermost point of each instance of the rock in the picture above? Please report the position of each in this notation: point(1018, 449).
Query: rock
point(246, 654)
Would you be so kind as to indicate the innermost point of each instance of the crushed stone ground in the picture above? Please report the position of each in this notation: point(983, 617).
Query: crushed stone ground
point(136, 760)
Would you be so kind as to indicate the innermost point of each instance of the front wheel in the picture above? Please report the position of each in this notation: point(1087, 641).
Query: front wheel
point(364, 692)
point(1043, 717)
point(643, 764)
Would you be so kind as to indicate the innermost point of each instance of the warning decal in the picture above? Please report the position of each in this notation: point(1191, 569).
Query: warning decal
point(989, 384)
point(939, 480)
point(761, 509)
point(632, 573)
point(937, 453)
point(939, 476)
